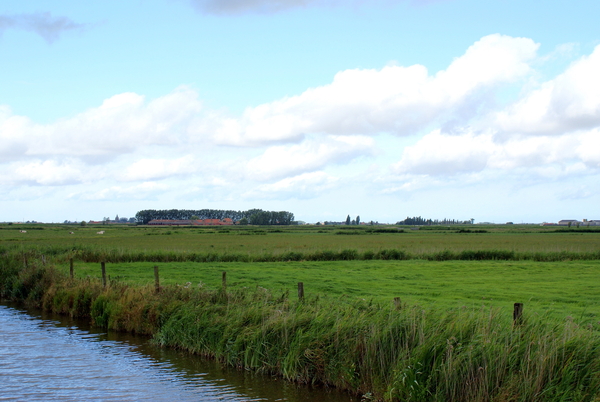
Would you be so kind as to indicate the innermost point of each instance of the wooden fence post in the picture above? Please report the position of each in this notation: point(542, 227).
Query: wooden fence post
point(224, 280)
point(103, 266)
point(300, 291)
point(518, 313)
point(156, 281)
point(71, 267)
point(397, 303)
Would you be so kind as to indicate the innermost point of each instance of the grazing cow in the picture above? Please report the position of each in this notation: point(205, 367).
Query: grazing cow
point(71, 232)
point(23, 231)
point(100, 232)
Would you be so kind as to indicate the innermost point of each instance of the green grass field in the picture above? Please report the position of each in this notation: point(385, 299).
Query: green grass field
point(564, 288)
point(256, 240)
point(559, 289)
point(452, 338)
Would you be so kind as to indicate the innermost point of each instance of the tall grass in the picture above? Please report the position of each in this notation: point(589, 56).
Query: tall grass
point(98, 254)
point(405, 353)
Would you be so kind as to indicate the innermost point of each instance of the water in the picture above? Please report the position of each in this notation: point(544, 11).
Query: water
point(47, 357)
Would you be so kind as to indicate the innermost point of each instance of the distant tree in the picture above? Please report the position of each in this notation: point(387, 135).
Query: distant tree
point(117, 218)
point(348, 221)
point(83, 223)
point(254, 216)
point(194, 217)
point(243, 221)
point(358, 220)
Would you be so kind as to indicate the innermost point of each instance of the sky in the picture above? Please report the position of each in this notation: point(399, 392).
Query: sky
point(383, 109)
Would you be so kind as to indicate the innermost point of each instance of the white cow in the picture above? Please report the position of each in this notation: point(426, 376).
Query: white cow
point(23, 231)
point(100, 232)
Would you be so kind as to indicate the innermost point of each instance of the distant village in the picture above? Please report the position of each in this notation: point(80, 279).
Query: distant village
point(574, 222)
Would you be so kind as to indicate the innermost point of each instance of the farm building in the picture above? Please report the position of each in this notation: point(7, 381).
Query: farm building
point(189, 222)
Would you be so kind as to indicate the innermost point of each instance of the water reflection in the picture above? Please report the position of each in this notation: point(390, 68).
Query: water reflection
point(49, 357)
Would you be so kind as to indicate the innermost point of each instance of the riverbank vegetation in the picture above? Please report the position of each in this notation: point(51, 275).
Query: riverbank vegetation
point(450, 336)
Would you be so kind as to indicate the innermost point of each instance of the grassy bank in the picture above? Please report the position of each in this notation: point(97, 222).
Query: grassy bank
point(410, 353)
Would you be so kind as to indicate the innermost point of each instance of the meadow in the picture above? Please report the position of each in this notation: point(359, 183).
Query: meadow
point(559, 289)
point(254, 241)
point(550, 269)
point(452, 337)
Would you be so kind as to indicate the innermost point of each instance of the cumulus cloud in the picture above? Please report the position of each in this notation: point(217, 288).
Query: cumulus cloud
point(395, 99)
point(122, 124)
point(45, 173)
point(551, 132)
point(142, 191)
point(569, 102)
point(284, 161)
point(44, 24)
point(439, 155)
point(153, 169)
point(306, 185)
point(289, 147)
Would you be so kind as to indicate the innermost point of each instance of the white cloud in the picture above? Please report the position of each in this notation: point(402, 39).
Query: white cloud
point(153, 169)
point(395, 99)
point(281, 161)
point(307, 185)
point(440, 154)
point(551, 133)
point(145, 190)
point(569, 102)
point(122, 124)
point(303, 146)
point(46, 173)
point(588, 148)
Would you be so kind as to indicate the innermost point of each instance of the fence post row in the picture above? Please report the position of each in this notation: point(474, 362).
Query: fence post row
point(517, 312)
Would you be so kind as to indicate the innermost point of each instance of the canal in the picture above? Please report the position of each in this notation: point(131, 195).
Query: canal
point(48, 357)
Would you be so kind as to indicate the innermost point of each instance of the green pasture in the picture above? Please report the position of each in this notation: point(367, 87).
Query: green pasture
point(565, 288)
point(307, 239)
point(561, 289)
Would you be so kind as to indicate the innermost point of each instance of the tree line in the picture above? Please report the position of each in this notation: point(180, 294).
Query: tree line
point(252, 216)
point(417, 220)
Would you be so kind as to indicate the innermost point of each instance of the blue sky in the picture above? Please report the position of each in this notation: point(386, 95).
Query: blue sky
point(383, 109)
